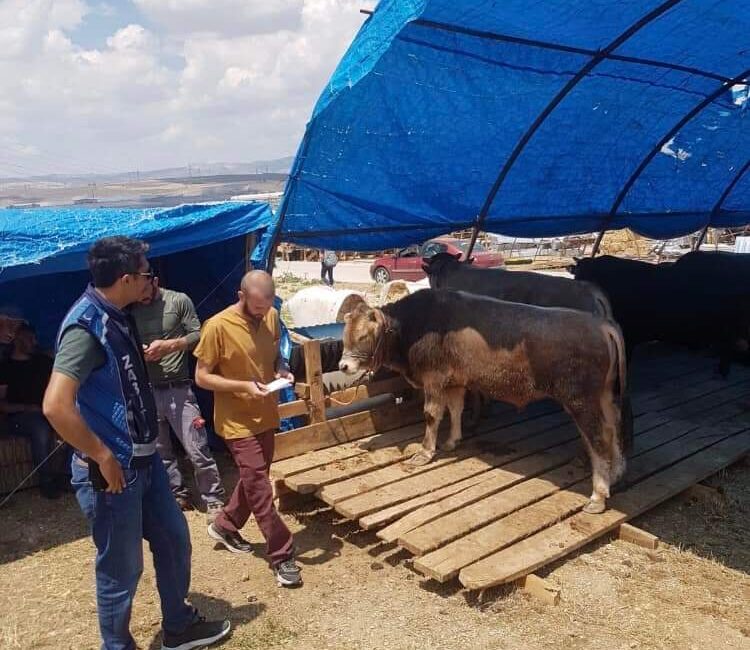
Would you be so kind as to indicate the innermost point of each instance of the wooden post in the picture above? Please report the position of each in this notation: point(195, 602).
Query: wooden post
point(250, 241)
point(314, 379)
point(636, 536)
point(542, 589)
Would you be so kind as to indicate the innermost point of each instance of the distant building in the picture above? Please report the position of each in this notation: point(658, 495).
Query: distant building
point(273, 198)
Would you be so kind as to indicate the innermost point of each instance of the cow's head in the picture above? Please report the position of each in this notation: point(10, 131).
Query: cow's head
point(439, 266)
point(364, 331)
point(578, 269)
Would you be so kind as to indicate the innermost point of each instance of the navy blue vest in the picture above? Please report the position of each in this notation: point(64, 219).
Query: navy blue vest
point(116, 400)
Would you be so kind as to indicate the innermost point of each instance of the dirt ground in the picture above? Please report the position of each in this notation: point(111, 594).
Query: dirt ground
point(691, 593)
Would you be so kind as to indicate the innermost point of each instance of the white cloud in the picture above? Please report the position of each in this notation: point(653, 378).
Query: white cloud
point(229, 80)
point(223, 17)
point(24, 22)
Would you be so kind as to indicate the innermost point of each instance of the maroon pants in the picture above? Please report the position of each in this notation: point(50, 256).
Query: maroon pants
point(253, 495)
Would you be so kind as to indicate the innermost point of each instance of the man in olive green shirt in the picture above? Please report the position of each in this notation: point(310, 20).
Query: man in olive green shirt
point(169, 328)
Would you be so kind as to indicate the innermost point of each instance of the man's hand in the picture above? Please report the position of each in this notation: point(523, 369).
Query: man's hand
point(254, 390)
point(159, 349)
point(112, 472)
point(285, 374)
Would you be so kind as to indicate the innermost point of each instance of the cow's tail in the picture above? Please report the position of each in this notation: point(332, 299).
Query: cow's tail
point(617, 382)
point(604, 309)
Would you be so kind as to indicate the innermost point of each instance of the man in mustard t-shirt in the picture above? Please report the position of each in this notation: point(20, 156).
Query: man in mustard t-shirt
point(237, 355)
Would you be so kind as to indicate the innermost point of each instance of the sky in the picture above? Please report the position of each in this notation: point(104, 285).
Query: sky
point(101, 86)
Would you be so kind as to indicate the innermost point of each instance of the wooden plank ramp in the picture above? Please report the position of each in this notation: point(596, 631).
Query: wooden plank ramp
point(509, 500)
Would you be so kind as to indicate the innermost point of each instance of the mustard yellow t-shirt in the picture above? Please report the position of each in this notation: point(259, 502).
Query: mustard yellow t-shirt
point(237, 350)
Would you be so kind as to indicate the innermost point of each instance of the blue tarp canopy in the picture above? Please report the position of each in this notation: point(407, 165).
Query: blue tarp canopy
point(52, 240)
point(198, 249)
point(528, 118)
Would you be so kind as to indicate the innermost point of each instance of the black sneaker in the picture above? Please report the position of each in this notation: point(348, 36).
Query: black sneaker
point(288, 574)
point(200, 634)
point(233, 542)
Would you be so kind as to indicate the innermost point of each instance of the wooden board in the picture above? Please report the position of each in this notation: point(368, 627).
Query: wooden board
point(693, 406)
point(528, 464)
point(463, 520)
point(424, 514)
point(580, 529)
point(453, 525)
point(516, 479)
point(446, 562)
point(318, 458)
point(381, 478)
point(344, 469)
point(633, 535)
point(345, 429)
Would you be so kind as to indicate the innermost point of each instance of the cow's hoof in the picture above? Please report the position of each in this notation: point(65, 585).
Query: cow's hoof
point(595, 507)
point(449, 445)
point(420, 458)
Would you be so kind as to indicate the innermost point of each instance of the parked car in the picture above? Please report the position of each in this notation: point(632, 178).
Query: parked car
point(406, 264)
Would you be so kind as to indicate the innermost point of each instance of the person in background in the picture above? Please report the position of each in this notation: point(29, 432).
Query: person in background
point(23, 378)
point(328, 260)
point(169, 327)
point(99, 400)
point(237, 355)
point(11, 319)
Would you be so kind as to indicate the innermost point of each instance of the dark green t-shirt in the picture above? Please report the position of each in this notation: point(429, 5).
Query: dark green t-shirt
point(79, 354)
point(170, 316)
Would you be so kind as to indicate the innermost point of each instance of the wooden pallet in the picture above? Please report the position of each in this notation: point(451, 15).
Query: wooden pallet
point(510, 499)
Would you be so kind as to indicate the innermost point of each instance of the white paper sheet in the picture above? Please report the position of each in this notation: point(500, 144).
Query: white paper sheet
point(277, 384)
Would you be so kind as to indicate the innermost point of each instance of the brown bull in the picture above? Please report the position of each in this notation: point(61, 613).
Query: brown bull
point(447, 342)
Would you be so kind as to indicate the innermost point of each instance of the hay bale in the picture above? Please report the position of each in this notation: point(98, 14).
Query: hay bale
point(624, 243)
point(396, 289)
point(15, 463)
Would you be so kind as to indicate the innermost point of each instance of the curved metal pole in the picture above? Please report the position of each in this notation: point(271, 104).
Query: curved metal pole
point(572, 83)
point(651, 154)
point(724, 195)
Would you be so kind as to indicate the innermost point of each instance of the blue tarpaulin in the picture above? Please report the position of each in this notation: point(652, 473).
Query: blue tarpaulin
point(198, 249)
point(528, 118)
point(40, 241)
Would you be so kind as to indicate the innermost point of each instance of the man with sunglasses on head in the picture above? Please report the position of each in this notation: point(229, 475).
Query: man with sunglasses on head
point(100, 401)
point(169, 327)
point(238, 355)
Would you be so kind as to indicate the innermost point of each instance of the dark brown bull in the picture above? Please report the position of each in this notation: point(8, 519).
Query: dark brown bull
point(447, 341)
point(445, 271)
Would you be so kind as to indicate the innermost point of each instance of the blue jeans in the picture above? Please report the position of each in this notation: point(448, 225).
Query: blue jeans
point(146, 510)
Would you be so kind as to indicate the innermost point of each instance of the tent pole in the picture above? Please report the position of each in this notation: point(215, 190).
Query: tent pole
point(701, 237)
point(474, 235)
point(717, 207)
point(696, 110)
point(598, 57)
point(598, 242)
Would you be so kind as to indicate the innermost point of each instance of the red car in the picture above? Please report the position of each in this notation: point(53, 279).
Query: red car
point(407, 263)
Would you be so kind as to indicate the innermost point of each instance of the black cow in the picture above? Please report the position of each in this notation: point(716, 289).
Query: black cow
point(445, 271)
point(671, 303)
